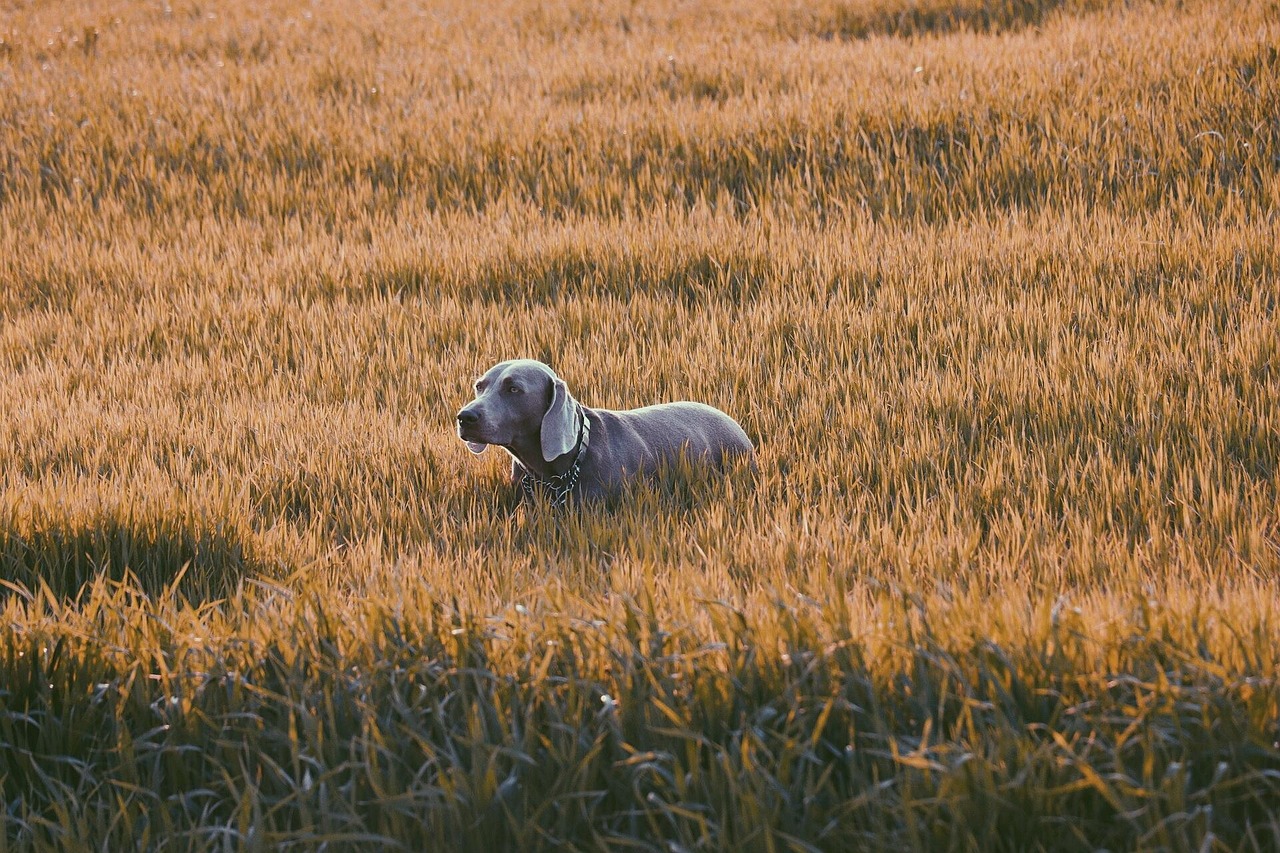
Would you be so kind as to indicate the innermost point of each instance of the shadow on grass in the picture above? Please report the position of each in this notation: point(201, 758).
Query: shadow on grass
point(207, 559)
point(860, 20)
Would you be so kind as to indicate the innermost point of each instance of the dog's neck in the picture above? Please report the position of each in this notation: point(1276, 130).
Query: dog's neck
point(528, 452)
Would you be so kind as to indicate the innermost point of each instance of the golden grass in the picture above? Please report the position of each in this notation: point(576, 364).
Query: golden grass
point(993, 284)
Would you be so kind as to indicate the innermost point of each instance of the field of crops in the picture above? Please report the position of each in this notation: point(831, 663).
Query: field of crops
point(992, 284)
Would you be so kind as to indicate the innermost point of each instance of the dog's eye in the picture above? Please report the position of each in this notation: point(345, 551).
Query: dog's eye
point(514, 389)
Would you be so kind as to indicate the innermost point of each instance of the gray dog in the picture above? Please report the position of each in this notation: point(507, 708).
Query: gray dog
point(562, 448)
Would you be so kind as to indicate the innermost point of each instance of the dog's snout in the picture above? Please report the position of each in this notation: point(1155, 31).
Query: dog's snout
point(468, 417)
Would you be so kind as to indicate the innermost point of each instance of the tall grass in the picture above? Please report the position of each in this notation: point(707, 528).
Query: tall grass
point(993, 285)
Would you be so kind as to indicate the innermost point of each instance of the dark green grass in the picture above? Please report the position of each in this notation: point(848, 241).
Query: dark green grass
point(438, 731)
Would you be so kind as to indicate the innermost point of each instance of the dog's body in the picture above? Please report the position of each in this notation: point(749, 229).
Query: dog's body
point(573, 451)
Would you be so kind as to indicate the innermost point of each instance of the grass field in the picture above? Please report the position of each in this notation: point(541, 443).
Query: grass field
point(993, 285)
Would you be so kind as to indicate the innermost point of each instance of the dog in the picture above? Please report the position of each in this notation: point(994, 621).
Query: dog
point(563, 449)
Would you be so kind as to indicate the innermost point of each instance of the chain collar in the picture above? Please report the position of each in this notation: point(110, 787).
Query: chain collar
point(558, 488)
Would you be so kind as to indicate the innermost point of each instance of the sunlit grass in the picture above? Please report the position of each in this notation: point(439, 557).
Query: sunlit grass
point(993, 285)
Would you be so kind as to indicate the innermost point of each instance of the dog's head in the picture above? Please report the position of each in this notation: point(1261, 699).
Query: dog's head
point(520, 401)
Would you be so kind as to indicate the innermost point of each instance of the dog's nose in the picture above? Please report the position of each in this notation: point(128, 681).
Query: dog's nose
point(468, 417)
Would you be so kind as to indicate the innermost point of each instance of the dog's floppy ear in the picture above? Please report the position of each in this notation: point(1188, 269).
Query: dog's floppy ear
point(560, 423)
point(476, 447)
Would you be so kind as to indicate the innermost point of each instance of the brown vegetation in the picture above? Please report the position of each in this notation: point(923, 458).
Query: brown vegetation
point(993, 284)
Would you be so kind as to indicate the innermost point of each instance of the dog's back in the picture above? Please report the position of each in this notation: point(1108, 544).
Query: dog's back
point(639, 441)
